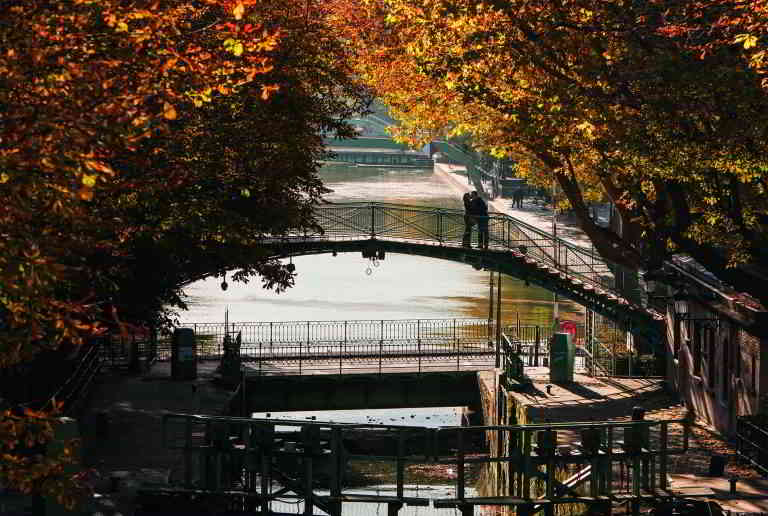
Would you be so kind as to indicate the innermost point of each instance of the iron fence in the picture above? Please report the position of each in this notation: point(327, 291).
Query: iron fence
point(356, 345)
point(291, 341)
point(135, 351)
point(257, 462)
point(752, 442)
point(350, 221)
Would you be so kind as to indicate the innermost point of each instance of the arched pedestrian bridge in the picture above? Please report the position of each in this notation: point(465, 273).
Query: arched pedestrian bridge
point(515, 248)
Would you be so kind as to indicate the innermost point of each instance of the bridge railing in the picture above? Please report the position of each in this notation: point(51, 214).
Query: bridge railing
point(258, 463)
point(445, 227)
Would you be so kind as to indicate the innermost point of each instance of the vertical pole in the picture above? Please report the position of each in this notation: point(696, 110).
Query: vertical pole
point(609, 462)
point(373, 218)
point(400, 463)
point(337, 470)
point(187, 451)
point(418, 340)
point(498, 318)
point(381, 344)
point(456, 343)
point(266, 473)
point(270, 337)
point(663, 456)
point(536, 347)
point(243, 401)
point(490, 307)
point(343, 352)
point(440, 227)
point(308, 494)
point(460, 464)
point(526, 465)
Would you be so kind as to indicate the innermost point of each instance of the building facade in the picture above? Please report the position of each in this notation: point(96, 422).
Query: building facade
point(717, 353)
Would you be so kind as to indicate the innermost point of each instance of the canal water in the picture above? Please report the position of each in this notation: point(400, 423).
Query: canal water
point(400, 287)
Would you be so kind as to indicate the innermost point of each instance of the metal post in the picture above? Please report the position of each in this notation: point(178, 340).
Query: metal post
point(498, 319)
point(663, 456)
point(187, 451)
point(243, 401)
point(536, 347)
point(337, 471)
point(400, 463)
point(418, 340)
point(456, 342)
point(381, 344)
point(266, 473)
point(373, 219)
point(460, 465)
point(490, 305)
point(526, 493)
point(343, 352)
point(609, 462)
point(440, 227)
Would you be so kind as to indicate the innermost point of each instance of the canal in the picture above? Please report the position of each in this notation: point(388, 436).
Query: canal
point(348, 286)
point(401, 287)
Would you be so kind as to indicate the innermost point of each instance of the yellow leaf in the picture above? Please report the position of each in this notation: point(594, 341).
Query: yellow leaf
point(122, 27)
point(169, 111)
point(238, 11)
point(4, 178)
point(237, 49)
point(89, 181)
point(748, 40)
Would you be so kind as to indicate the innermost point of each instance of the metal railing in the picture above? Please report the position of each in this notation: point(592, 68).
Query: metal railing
point(134, 352)
point(252, 463)
point(752, 442)
point(356, 345)
point(445, 227)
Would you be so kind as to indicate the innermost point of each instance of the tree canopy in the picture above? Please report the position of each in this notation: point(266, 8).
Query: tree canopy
point(659, 106)
point(145, 145)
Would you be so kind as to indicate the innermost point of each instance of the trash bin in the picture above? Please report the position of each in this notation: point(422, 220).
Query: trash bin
point(561, 358)
point(184, 354)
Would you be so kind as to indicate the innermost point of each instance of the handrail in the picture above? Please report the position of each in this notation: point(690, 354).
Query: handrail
point(273, 447)
point(374, 220)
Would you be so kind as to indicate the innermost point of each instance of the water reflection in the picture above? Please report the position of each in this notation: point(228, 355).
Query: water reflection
point(401, 287)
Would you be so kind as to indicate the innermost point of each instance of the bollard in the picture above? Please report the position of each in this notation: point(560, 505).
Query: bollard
point(732, 481)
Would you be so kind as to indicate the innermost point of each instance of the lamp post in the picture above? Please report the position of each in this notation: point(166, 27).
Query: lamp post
point(555, 251)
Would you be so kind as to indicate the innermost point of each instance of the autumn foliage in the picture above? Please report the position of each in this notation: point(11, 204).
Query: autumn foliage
point(658, 107)
point(144, 145)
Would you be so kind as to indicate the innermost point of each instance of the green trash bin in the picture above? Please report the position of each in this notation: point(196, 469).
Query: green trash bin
point(184, 354)
point(561, 358)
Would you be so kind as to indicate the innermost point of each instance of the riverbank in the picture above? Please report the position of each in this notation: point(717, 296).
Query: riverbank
point(533, 213)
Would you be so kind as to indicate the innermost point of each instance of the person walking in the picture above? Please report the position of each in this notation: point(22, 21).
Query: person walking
point(469, 221)
point(479, 211)
point(519, 196)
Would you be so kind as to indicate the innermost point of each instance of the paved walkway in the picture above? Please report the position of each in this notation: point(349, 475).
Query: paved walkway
point(688, 473)
point(533, 212)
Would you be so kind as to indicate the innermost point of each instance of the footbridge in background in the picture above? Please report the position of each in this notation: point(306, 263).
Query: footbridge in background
point(515, 248)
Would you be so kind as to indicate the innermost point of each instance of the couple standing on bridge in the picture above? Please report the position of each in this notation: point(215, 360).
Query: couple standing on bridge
point(475, 212)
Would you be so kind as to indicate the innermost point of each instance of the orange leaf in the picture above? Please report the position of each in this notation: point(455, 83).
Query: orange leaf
point(169, 111)
point(238, 11)
point(85, 193)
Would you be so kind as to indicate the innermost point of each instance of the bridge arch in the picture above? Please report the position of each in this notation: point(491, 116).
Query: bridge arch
point(516, 249)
